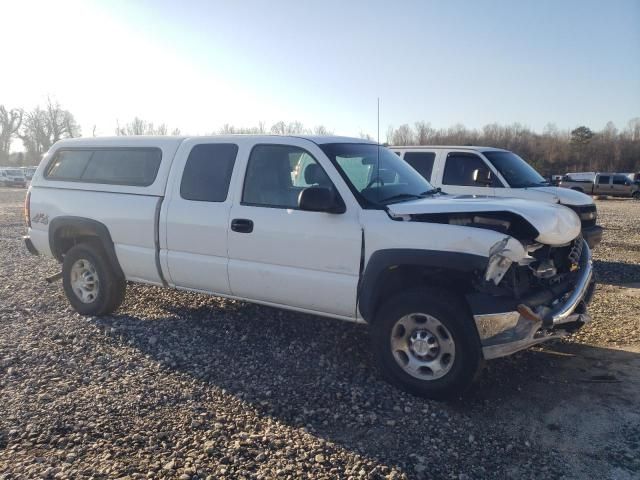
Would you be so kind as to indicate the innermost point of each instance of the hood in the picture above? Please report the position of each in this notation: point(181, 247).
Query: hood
point(566, 196)
point(556, 224)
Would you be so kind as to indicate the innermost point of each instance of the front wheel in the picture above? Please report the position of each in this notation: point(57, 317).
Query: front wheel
point(425, 342)
point(90, 282)
point(636, 195)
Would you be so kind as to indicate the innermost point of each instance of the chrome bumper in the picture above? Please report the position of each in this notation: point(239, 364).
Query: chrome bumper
point(505, 333)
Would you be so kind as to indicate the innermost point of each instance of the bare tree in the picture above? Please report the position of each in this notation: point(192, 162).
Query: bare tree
point(10, 123)
point(403, 136)
point(279, 128)
point(43, 127)
point(138, 126)
point(423, 133)
point(321, 130)
point(366, 136)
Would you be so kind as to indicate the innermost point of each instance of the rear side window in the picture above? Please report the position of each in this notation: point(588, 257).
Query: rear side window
point(208, 172)
point(69, 164)
point(620, 180)
point(422, 162)
point(117, 166)
point(603, 179)
point(460, 167)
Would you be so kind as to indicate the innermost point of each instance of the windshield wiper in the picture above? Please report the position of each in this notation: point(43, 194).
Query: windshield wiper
point(399, 197)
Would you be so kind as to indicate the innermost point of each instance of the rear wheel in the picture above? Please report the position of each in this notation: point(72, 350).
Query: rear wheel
point(636, 195)
point(426, 343)
point(90, 283)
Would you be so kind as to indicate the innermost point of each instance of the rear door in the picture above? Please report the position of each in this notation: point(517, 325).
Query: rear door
point(196, 215)
point(459, 174)
point(603, 185)
point(423, 162)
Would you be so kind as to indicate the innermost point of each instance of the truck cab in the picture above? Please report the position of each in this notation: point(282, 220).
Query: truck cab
point(468, 170)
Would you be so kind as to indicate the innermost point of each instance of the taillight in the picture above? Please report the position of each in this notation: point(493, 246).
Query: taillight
point(27, 209)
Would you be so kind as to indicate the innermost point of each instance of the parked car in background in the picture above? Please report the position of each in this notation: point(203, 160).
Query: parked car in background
point(495, 172)
point(12, 177)
point(332, 226)
point(28, 172)
point(610, 184)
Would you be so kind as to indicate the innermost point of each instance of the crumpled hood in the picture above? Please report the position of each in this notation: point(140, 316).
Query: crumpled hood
point(557, 224)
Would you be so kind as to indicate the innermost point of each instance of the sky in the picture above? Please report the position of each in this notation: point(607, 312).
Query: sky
point(198, 65)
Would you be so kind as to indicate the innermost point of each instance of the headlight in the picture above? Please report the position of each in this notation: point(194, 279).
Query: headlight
point(588, 215)
point(497, 268)
point(499, 263)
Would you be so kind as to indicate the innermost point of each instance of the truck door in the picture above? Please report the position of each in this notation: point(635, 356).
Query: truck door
point(196, 216)
point(603, 185)
point(466, 173)
point(422, 162)
point(621, 186)
point(282, 255)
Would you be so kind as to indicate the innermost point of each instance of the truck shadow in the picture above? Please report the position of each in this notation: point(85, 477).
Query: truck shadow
point(318, 374)
point(616, 273)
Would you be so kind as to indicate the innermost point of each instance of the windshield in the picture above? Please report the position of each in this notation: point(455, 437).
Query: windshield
point(517, 172)
point(376, 175)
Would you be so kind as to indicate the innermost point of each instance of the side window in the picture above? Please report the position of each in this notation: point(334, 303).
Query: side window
point(620, 180)
point(69, 164)
point(115, 166)
point(123, 166)
point(207, 172)
point(604, 179)
point(422, 162)
point(277, 173)
point(460, 167)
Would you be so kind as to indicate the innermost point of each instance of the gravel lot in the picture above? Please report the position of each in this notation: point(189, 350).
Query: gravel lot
point(180, 385)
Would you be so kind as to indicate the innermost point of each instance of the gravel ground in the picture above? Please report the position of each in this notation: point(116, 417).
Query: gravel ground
point(181, 385)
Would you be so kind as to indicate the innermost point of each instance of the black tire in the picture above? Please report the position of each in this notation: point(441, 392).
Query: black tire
point(451, 312)
point(111, 286)
point(636, 195)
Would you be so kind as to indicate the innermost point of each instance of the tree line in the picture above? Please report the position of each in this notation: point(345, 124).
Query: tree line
point(553, 151)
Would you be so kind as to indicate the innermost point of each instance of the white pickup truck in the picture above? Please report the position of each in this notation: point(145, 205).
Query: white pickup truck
point(465, 170)
point(331, 226)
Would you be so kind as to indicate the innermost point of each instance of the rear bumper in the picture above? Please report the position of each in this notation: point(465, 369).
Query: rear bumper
point(505, 333)
point(29, 244)
point(593, 235)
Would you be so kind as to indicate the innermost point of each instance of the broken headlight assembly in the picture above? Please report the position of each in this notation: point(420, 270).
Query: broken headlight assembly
point(501, 255)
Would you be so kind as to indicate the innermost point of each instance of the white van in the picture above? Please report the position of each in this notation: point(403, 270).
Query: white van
point(495, 172)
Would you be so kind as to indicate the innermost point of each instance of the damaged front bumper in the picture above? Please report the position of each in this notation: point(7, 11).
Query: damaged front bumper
point(507, 332)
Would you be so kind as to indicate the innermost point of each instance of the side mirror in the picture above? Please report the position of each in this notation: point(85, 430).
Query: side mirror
point(320, 199)
point(482, 176)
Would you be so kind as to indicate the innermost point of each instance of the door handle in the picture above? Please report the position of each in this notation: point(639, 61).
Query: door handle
point(242, 225)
